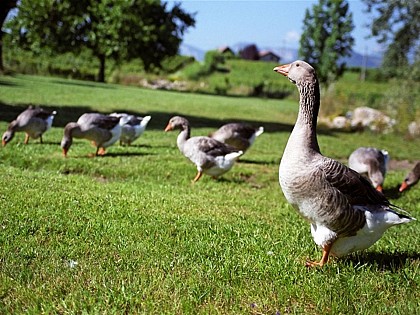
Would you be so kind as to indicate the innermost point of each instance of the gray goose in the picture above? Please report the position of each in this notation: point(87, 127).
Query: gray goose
point(412, 178)
point(211, 157)
point(345, 211)
point(34, 121)
point(102, 130)
point(371, 162)
point(238, 135)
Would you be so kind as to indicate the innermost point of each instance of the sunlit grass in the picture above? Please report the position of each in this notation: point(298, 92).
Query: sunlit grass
point(129, 233)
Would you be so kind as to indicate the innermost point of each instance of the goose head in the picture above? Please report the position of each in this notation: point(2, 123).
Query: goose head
point(7, 136)
point(411, 179)
point(297, 72)
point(177, 122)
point(67, 140)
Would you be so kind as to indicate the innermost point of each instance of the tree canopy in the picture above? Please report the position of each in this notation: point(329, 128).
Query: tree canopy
point(118, 29)
point(396, 24)
point(326, 37)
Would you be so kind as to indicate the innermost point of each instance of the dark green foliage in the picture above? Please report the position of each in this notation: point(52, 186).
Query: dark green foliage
point(120, 29)
point(175, 63)
point(327, 37)
point(397, 25)
point(212, 60)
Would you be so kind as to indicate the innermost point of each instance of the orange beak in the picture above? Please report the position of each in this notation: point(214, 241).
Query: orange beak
point(379, 188)
point(3, 143)
point(168, 127)
point(65, 152)
point(404, 186)
point(284, 69)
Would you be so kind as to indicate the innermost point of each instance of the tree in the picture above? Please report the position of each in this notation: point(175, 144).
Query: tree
point(327, 37)
point(397, 25)
point(5, 7)
point(118, 29)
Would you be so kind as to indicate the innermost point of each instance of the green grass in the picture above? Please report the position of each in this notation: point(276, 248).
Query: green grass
point(129, 233)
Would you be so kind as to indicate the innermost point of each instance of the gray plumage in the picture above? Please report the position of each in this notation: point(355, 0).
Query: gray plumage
point(371, 162)
point(211, 157)
point(102, 130)
point(345, 211)
point(34, 121)
point(238, 135)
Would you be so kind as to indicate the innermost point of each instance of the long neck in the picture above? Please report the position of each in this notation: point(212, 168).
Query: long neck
point(183, 136)
point(13, 126)
point(72, 130)
point(308, 113)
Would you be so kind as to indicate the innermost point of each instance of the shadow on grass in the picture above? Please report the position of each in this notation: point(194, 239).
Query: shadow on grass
point(116, 154)
point(66, 114)
point(83, 84)
point(106, 155)
point(385, 261)
point(247, 161)
point(393, 192)
point(7, 83)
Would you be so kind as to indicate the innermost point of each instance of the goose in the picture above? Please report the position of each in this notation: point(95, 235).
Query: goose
point(372, 162)
point(34, 121)
point(211, 157)
point(102, 130)
point(238, 135)
point(412, 178)
point(345, 211)
point(133, 128)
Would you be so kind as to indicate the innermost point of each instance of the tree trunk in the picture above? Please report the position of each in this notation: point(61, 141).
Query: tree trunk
point(5, 7)
point(101, 74)
point(1, 52)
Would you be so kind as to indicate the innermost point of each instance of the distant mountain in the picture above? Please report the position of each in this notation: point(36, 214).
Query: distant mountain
point(188, 50)
point(287, 55)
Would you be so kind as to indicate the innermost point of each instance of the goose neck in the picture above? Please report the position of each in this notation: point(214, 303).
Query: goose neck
point(183, 136)
point(308, 112)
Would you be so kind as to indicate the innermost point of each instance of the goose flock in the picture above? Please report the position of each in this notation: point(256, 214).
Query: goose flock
point(344, 205)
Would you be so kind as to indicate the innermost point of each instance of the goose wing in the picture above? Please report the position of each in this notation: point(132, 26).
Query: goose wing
point(41, 113)
point(213, 147)
point(98, 121)
point(356, 188)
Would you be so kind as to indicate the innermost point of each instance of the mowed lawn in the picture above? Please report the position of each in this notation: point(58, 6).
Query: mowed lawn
point(128, 233)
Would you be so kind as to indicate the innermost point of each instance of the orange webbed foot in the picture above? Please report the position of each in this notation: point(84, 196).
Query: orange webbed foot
point(312, 264)
point(197, 177)
point(325, 254)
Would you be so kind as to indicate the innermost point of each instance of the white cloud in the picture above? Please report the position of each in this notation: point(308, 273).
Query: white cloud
point(292, 37)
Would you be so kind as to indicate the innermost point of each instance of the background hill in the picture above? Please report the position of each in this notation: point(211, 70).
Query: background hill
point(287, 54)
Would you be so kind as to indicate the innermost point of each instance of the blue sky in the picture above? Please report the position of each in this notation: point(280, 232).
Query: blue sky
point(264, 23)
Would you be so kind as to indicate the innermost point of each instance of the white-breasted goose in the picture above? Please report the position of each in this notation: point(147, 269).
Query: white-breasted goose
point(133, 127)
point(34, 121)
point(211, 157)
point(102, 130)
point(345, 211)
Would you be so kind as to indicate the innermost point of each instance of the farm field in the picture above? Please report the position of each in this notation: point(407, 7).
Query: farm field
point(129, 232)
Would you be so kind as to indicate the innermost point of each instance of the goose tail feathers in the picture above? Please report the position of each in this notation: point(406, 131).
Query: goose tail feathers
point(233, 155)
point(403, 216)
point(259, 131)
